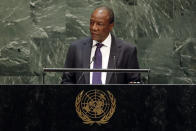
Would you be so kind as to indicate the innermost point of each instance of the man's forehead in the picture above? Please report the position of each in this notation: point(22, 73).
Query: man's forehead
point(100, 15)
point(100, 12)
point(98, 19)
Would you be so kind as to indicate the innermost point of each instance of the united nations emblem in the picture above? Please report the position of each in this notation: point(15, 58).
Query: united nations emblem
point(95, 106)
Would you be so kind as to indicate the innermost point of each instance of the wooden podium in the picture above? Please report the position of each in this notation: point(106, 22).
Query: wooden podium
point(97, 107)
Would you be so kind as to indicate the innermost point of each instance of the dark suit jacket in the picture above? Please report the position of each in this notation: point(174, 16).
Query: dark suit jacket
point(78, 56)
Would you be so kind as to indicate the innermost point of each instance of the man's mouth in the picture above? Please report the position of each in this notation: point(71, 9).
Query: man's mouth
point(94, 34)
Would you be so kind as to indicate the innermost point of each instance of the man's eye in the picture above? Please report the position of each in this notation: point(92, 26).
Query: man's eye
point(101, 24)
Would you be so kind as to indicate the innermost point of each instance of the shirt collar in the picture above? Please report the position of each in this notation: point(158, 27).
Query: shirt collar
point(107, 42)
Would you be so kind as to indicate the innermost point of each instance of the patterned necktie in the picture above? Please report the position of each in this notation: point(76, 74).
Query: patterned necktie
point(97, 65)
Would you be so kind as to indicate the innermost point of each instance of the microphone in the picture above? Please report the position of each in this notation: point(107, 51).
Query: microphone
point(115, 75)
point(93, 59)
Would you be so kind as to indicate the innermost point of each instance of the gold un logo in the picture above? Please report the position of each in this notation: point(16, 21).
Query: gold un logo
point(95, 106)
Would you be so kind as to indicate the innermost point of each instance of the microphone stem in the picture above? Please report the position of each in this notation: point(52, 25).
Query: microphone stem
point(93, 59)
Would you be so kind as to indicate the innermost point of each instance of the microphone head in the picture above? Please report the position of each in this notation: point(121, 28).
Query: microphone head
point(94, 58)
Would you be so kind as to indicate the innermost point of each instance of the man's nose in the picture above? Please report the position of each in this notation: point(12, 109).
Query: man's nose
point(95, 27)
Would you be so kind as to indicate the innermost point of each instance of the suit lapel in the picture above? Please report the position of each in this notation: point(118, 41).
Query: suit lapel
point(113, 59)
point(86, 59)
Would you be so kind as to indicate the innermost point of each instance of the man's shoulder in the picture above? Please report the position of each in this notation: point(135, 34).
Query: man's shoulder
point(124, 43)
point(81, 41)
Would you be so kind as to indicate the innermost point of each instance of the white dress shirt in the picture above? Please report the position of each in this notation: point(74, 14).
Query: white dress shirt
point(105, 51)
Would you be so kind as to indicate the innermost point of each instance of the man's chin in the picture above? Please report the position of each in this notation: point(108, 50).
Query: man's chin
point(96, 38)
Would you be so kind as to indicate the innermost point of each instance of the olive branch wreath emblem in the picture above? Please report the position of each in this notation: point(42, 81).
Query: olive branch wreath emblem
point(86, 119)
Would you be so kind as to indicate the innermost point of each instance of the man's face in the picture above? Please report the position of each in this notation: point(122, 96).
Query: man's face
point(100, 25)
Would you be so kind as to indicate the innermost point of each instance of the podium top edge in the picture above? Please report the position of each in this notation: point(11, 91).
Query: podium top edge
point(92, 70)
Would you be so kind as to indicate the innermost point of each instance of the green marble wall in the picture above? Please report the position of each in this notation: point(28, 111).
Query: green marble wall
point(36, 34)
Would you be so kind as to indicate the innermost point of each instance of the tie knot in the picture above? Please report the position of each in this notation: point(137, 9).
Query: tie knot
point(99, 45)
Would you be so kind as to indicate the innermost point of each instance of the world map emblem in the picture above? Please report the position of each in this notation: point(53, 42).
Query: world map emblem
point(95, 106)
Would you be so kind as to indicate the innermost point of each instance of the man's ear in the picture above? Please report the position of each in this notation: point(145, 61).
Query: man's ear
point(111, 26)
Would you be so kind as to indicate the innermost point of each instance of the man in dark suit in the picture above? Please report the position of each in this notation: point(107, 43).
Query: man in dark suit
point(101, 51)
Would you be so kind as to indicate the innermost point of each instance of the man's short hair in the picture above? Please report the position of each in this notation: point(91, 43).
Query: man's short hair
point(111, 12)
